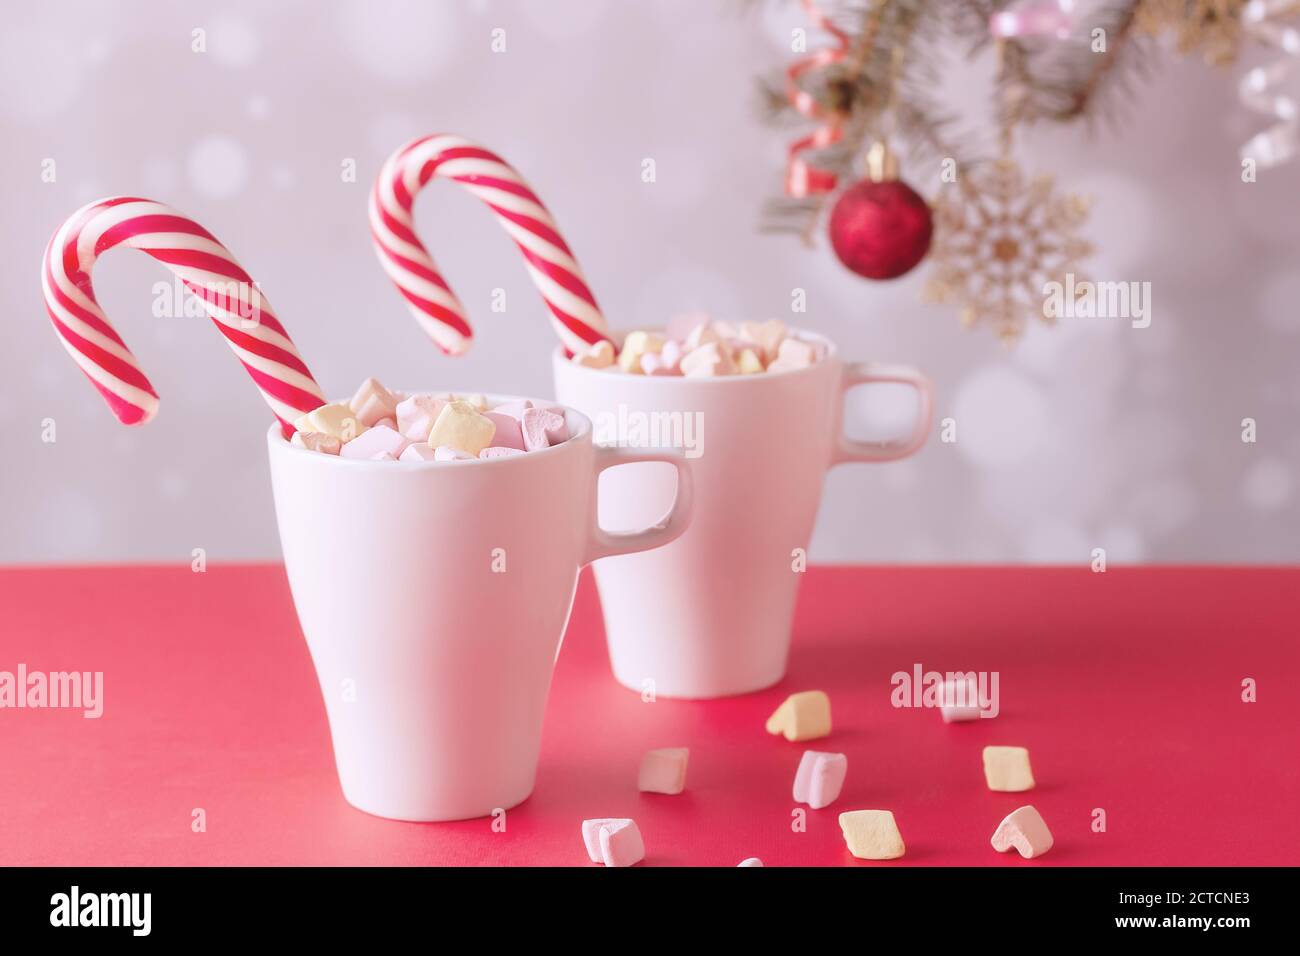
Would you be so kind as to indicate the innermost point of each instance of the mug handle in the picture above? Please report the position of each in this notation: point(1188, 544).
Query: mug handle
point(868, 373)
point(605, 544)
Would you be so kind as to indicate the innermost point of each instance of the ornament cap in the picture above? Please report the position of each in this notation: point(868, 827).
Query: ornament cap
point(882, 163)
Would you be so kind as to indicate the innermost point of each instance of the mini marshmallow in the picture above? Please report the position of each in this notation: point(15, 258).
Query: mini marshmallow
point(802, 716)
point(613, 841)
point(1026, 831)
point(445, 453)
point(872, 834)
point(509, 433)
point(499, 451)
point(388, 423)
point(479, 401)
point(336, 419)
point(767, 335)
point(542, 428)
point(793, 354)
point(707, 360)
point(748, 363)
point(416, 415)
point(663, 771)
point(417, 451)
point(959, 700)
point(514, 408)
point(820, 778)
point(751, 861)
point(600, 355)
point(315, 441)
point(460, 425)
point(635, 345)
point(373, 402)
point(373, 441)
point(382, 456)
point(1006, 769)
point(702, 334)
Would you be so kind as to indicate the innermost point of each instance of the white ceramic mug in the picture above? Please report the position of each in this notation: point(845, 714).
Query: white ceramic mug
point(710, 615)
point(433, 597)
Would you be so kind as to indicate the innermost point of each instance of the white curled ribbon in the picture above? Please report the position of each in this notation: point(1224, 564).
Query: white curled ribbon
point(1258, 87)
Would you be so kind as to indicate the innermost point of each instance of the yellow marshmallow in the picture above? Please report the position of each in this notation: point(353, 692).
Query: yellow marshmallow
point(748, 363)
point(459, 425)
point(802, 716)
point(634, 346)
point(337, 420)
point(1006, 769)
point(600, 355)
point(872, 834)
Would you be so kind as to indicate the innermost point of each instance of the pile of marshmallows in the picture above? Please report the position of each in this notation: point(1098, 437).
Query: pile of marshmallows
point(869, 834)
point(707, 349)
point(383, 425)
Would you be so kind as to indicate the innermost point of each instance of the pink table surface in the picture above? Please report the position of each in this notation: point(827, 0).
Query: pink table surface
point(1125, 687)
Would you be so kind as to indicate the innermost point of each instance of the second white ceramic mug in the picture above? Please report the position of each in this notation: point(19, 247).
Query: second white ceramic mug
point(710, 615)
point(433, 597)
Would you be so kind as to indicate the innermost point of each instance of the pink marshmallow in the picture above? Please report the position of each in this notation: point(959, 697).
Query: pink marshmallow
point(663, 771)
point(509, 433)
point(498, 451)
point(383, 456)
point(820, 778)
point(543, 428)
point(1026, 831)
point(387, 423)
point(417, 451)
point(515, 409)
point(447, 453)
point(373, 441)
point(416, 415)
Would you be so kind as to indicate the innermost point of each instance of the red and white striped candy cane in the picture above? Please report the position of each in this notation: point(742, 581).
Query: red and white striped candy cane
point(574, 313)
point(207, 269)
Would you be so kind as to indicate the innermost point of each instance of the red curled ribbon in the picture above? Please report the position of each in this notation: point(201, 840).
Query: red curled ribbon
point(801, 177)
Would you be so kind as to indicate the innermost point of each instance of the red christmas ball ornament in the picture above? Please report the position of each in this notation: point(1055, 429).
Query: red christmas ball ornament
point(881, 229)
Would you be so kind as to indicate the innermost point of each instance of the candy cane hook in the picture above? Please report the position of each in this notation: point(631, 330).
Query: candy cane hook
point(207, 269)
point(574, 313)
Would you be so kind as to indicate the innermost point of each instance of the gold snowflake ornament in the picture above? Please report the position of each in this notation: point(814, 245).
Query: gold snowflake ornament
point(1211, 28)
point(999, 241)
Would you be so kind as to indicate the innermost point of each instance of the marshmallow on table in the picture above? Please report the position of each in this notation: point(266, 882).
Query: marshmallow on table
point(375, 441)
point(447, 453)
point(793, 354)
point(373, 402)
point(315, 441)
point(599, 355)
point(820, 778)
point(751, 861)
point(509, 433)
point(542, 428)
point(872, 834)
point(613, 841)
point(460, 425)
point(498, 451)
point(959, 700)
point(663, 771)
point(1025, 831)
point(416, 415)
point(417, 451)
point(802, 716)
point(635, 345)
point(337, 419)
point(1006, 769)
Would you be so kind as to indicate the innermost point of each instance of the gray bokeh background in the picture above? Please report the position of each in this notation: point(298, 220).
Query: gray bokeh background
point(1089, 435)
